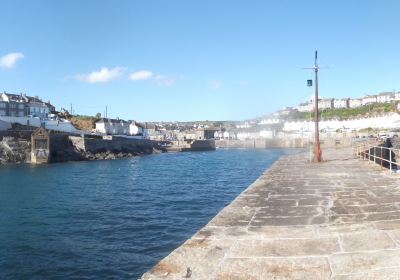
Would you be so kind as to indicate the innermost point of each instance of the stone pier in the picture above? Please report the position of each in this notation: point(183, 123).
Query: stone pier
point(335, 220)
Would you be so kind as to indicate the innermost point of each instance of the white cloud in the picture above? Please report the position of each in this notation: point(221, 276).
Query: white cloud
point(104, 75)
point(141, 75)
point(215, 84)
point(9, 60)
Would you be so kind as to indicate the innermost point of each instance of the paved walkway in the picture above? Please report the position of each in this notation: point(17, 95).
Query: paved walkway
point(335, 220)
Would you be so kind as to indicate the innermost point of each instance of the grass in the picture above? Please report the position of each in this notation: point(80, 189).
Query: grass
point(344, 114)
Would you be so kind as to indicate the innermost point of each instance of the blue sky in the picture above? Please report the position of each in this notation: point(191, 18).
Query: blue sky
point(195, 60)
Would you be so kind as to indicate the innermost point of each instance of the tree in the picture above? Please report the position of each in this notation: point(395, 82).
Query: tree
point(98, 115)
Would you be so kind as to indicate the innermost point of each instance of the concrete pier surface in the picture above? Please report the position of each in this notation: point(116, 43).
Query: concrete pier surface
point(335, 220)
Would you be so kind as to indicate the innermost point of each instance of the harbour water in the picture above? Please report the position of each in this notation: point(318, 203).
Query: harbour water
point(114, 219)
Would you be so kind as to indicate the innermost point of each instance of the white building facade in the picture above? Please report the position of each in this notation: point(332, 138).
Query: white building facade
point(112, 127)
point(341, 103)
point(385, 97)
point(369, 99)
point(355, 103)
point(387, 121)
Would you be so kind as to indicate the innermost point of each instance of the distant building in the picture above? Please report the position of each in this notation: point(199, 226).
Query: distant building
point(355, 103)
point(244, 125)
point(385, 97)
point(206, 133)
point(12, 105)
point(112, 126)
point(368, 99)
point(325, 103)
point(21, 105)
point(269, 121)
point(341, 103)
point(149, 130)
point(135, 128)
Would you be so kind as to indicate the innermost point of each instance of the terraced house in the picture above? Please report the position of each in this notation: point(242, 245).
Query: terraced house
point(21, 105)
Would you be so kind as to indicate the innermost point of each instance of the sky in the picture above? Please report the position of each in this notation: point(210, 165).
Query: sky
point(179, 60)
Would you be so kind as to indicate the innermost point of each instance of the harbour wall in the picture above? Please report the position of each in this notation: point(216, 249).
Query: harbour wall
point(65, 147)
point(334, 220)
point(15, 146)
point(281, 143)
point(115, 144)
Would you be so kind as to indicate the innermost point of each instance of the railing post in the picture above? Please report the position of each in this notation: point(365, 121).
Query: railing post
point(390, 160)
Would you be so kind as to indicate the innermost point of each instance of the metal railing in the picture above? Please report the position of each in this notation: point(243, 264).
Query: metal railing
point(375, 152)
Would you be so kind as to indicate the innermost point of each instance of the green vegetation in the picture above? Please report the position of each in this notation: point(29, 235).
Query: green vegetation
point(343, 114)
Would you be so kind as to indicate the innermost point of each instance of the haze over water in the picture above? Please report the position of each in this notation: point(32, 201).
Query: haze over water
point(106, 219)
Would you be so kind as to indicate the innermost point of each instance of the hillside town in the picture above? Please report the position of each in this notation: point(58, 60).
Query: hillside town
point(32, 111)
point(347, 103)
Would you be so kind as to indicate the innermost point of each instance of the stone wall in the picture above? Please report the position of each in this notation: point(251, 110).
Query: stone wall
point(280, 143)
point(116, 145)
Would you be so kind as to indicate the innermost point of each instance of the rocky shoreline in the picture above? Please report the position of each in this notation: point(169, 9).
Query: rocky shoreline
point(15, 150)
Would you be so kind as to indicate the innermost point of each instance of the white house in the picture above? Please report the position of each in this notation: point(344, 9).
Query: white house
point(355, 103)
point(325, 103)
point(112, 126)
point(21, 105)
point(135, 128)
point(369, 99)
point(387, 121)
point(244, 125)
point(270, 121)
point(385, 97)
point(341, 103)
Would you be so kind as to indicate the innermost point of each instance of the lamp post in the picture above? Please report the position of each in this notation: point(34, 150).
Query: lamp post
point(317, 147)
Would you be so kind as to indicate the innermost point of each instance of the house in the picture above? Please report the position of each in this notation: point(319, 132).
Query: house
point(385, 97)
point(325, 103)
point(112, 126)
point(12, 105)
point(21, 105)
point(341, 103)
point(355, 103)
point(244, 125)
point(368, 99)
point(270, 121)
point(149, 130)
point(135, 128)
point(37, 108)
point(206, 133)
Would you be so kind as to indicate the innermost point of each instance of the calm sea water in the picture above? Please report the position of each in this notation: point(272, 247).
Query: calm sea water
point(114, 219)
